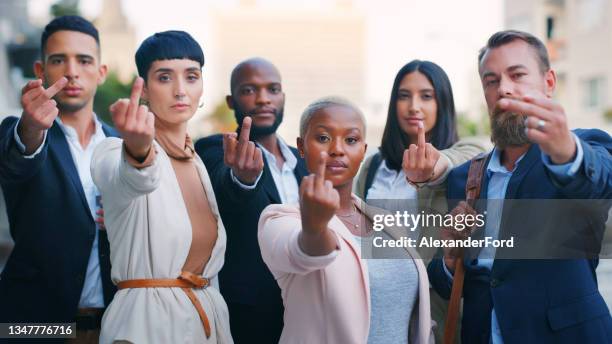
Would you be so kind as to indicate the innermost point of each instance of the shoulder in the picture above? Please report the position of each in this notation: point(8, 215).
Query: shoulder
point(8, 122)
point(278, 211)
point(209, 142)
point(593, 135)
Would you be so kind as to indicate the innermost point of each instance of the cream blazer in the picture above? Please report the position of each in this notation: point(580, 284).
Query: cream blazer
point(327, 298)
point(150, 235)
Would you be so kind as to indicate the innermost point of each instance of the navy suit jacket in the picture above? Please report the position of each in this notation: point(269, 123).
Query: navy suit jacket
point(538, 300)
point(244, 279)
point(53, 230)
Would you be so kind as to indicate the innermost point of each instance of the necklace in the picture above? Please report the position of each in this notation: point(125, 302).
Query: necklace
point(349, 214)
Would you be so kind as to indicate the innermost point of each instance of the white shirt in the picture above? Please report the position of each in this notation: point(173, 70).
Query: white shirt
point(390, 184)
point(284, 178)
point(92, 294)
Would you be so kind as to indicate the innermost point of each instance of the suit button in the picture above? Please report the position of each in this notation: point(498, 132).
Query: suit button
point(494, 282)
point(590, 172)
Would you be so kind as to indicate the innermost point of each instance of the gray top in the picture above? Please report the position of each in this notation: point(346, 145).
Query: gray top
point(394, 284)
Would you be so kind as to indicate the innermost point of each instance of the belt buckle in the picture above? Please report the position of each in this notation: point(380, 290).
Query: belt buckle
point(195, 280)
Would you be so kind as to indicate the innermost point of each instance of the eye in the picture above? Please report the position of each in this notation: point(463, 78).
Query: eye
point(491, 82)
point(427, 96)
point(247, 90)
point(56, 60)
point(275, 89)
point(193, 77)
point(518, 75)
point(403, 96)
point(85, 61)
point(163, 77)
point(323, 138)
point(352, 140)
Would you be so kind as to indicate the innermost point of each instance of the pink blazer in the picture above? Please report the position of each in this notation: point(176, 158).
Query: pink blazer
point(327, 298)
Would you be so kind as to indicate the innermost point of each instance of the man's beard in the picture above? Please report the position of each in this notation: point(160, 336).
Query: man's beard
point(257, 131)
point(508, 129)
point(69, 108)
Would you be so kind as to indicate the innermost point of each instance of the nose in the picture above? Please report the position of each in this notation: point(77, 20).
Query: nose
point(72, 71)
point(415, 105)
point(336, 148)
point(506, 87)
point(179, 89)
point(263, 97)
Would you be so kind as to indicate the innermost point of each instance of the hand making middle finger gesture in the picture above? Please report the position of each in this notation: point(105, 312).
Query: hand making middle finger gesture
point(39, 111)
point(241, 155)
point(318, 199)
point(419, 162)
point(135, 123)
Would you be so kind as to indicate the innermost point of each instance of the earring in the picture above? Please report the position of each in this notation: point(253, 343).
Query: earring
point(201, 105)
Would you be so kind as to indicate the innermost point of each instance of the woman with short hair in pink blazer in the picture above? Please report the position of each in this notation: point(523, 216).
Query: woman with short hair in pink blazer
point(330, 292)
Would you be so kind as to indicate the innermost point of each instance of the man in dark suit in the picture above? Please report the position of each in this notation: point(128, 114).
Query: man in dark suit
point(537, 161)
point(250, 170)
point(59, 269)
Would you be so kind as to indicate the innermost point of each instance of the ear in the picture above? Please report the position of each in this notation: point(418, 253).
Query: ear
point(300, 146)
point(39, 70)
point(365, 150)
point(229, 101)
point(551, 82)
point(145, 92)
point(102, 73)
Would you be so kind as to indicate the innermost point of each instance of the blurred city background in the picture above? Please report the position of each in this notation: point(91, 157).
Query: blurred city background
point(329, 47)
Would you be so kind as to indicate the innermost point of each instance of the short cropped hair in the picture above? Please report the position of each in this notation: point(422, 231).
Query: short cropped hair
point(167, 45)
point(504, 37)
point(68, 23)
point(324, 103)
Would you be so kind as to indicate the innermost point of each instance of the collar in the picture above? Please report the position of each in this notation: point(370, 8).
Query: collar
point(495, 165)
point(71, 132)
point(290, 159)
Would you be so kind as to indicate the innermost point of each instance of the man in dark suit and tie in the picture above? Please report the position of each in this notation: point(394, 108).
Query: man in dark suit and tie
point(249, 170)
point(537, 165)
point(59, 269)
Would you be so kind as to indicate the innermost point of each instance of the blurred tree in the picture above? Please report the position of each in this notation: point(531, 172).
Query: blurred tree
point(221, 119)
point(65, 8)
point(467, 127)
point(108, 93)
point(608, 115)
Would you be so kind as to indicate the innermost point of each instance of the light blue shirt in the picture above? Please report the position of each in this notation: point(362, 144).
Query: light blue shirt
point(499, 178)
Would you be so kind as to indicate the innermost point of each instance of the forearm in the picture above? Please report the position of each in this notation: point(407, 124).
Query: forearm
point(317, 243)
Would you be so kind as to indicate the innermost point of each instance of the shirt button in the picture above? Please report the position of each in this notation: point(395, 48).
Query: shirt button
point(494, 282)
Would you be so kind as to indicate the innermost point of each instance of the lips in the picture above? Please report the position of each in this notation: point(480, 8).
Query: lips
point(263, 112)
point(180, 106)
point(336, 166)
point(72, 91)
point(413, 120)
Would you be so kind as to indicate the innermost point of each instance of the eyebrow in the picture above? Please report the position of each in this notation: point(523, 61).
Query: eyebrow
point(169, 70)
point(347, 129)
point(509, 69)
point(421, 90)
point(64, 56)
point(515, 67)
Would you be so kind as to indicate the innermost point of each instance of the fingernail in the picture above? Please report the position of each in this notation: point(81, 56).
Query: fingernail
point(420, 124)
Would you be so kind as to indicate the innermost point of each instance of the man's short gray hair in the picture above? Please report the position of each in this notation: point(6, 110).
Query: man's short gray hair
point(323, 103)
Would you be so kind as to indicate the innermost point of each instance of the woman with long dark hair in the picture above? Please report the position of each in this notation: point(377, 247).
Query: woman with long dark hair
point(419, 147)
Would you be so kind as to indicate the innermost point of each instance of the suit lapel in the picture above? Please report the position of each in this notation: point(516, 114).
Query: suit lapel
point(300, 170)
point(524, 166)
point(269, 185)
point(59, 146)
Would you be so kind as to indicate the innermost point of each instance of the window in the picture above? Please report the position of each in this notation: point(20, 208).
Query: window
point(593, 91)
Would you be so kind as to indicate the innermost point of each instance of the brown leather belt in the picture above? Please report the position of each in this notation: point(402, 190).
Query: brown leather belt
point(186, 281)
